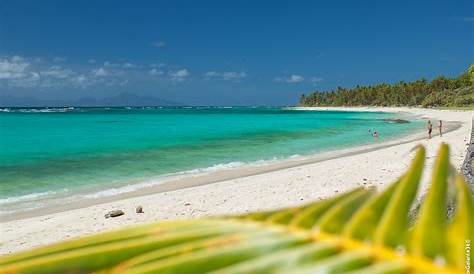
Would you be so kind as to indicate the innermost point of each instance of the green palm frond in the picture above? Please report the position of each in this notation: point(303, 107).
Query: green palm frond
point(359, 232)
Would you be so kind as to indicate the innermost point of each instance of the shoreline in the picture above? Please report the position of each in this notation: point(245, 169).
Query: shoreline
point(287, 183)
point(180, 180)
point(176, 182)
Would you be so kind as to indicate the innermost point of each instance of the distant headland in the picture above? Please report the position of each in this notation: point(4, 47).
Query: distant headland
point(122, 99)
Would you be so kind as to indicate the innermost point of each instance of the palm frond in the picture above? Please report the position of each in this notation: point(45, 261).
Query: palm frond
point(358, 232)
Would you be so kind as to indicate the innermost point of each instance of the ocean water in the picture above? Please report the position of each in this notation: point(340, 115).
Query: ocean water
point(73, 153)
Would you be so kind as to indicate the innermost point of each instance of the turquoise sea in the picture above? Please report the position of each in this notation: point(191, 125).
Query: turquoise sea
point(74, 153)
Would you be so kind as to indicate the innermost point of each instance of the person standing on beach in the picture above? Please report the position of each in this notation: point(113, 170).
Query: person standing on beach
point(430, 129)
point(440, 128)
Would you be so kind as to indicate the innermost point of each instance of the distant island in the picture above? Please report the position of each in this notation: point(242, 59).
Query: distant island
point(119, 100)
point(440, 92)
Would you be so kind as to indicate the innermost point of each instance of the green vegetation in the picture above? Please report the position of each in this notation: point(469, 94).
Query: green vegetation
point(361, 231)
point(441, 92)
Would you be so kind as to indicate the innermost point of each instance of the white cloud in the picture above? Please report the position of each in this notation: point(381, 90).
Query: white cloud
point(315, 80)
point(212, 74)
point(159, 44)
point(128, 65)
point(155, 72)
point(231, 75)
point(294, 78)
point(179, 75)
point(119, 66)
point(20, 72)
point(17, 58)
point(35, 76)
point(13, 68)
point(31, 79)
point(81, 80)
point(226, 75)
point(57, 72)
point(100, 72)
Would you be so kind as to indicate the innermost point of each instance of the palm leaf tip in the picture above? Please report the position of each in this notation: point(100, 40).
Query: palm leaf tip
point(428, 233)
point(393, 226)
point(358, 232)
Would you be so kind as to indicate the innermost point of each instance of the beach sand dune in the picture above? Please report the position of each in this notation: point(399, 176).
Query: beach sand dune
point(282, 185)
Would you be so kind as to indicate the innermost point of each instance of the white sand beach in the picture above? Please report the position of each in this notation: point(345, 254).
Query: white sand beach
point(290, 183)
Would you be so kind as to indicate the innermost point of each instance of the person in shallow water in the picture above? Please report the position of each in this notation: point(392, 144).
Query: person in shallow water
point(440, 126)
point(376, 134)
point(430, 129)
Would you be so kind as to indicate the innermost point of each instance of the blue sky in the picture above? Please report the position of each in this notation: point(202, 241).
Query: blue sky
point(226, 52)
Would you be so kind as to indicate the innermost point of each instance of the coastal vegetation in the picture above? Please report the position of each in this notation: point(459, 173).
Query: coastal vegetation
point(362, 231)
point(440, 92)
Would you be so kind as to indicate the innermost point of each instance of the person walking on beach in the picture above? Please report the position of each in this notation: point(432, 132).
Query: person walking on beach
point(440, 128)
point(430, 129)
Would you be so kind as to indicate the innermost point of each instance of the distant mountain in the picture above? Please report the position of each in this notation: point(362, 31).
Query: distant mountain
point(122, 99)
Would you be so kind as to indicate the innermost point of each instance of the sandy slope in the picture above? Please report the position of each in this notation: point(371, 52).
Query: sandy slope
point(287, 185)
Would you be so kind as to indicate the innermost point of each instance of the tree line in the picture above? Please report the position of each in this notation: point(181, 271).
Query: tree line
point(440, 92)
